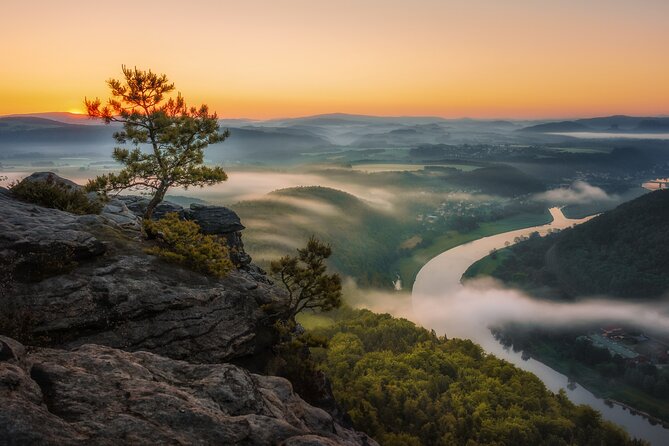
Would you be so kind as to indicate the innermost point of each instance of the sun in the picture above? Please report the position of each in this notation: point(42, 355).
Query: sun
point(75, 111)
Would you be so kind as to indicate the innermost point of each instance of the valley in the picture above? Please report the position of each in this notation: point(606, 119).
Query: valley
point(400, 209)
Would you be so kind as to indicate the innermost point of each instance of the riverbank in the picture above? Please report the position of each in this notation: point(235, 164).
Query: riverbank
point(607, 388)
point(408, 267)
point(442, 303)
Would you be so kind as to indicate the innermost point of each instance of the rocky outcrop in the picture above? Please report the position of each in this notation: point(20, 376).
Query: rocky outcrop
point(38, 239)
point(118, 213)
point(219, 220)
point(83, 280)
point(137, 347)
point(103, 396)
point(50, 177)
point(213, 220)
point(137, 205)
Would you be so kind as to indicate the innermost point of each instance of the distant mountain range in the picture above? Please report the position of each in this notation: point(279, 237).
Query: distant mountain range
point(329, 119)
point(618, 123)
point(67, 134)
point(283, 140)
point(64, 117)
point(21, 134)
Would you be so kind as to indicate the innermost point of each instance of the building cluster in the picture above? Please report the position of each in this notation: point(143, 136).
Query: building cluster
point(636, 347)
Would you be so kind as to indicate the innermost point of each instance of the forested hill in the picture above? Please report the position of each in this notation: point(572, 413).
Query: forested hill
point(622, 253)
point(403, 385)
point(364, 239)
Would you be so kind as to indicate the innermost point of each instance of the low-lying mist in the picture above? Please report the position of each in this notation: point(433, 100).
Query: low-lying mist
point(469, 311)
point(579, 192)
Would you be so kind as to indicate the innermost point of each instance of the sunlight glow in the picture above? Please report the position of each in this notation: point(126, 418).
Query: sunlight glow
point(263, 59)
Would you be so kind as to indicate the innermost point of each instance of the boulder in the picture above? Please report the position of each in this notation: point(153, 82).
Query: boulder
point(213, 220)
point(52, 178)
point(137, 205)
point(117, 212)
point(222, 221)
point(37, 238)
point(216, 220)
point(104, 396)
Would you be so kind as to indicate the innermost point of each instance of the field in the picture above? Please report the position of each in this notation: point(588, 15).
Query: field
point(408, 267)
point(381, 167)
point(581, 149)
point(486, 265)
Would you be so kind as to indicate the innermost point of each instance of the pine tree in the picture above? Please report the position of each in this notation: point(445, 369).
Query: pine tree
point(305, 279)
point(176, 136)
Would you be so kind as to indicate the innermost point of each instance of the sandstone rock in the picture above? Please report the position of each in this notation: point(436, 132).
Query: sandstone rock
point(213, 220)
point(33, 236)
point(217, 220)
point(118, 296)
point(117, 212)
point(137, 205)
point(127, 298)
point(50, 177)
point(103, 396)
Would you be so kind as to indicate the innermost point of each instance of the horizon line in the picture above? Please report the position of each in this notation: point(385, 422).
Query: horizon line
point(362, 115)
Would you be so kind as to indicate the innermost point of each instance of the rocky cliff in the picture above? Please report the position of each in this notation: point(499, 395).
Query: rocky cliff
point(86, 279)
point(129, 349)
point(105, 396)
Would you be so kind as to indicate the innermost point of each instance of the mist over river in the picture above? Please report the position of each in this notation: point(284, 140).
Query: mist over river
point(441, 302)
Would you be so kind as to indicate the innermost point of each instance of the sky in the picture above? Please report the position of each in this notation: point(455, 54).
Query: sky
point(268, 59)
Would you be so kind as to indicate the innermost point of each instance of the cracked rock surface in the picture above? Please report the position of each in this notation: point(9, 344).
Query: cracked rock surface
point(105, 290)
point(133, 349)
point(104, 396)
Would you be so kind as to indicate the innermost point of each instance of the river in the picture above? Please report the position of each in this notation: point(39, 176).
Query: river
point(442, 303)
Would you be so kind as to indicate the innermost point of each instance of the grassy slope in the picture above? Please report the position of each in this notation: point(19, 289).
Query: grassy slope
point(487, 265)
point(408, 267)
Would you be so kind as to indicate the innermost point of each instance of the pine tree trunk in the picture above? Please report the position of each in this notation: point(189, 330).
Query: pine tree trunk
point(155, 201)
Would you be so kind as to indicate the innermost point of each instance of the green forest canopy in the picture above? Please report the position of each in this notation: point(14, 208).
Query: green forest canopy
point(405, 386)
point(623, 252)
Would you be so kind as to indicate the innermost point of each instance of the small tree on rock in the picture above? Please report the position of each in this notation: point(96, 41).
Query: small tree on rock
point(175, 133)
point(305, 279)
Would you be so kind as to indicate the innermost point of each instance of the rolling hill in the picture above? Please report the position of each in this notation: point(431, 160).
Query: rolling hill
point(617, 123)
point(24, 134)
point(622, 253)
point(363, 238)
point(498, 179)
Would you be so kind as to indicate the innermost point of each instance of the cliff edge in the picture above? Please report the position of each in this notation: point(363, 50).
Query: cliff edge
point(116, 345)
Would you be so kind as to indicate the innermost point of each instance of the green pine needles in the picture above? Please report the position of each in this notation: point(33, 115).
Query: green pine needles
point(181, 242)
point(305, 278)
point(174, 137)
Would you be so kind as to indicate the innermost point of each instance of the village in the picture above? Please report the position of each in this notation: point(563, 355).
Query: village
point(632, 346)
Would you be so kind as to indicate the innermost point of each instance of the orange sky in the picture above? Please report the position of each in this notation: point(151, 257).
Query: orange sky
point(259, 59)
